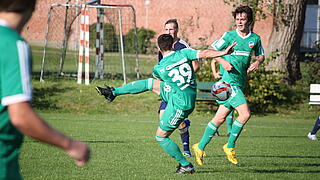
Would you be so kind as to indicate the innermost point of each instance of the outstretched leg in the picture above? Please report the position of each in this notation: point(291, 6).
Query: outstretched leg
point(134, 87)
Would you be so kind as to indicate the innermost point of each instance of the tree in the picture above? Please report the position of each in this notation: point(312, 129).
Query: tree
point(284, 42)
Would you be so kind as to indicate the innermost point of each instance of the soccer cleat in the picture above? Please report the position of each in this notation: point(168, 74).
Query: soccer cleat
point(188, 169)
point(230, 153)
point(106, 92)
point(312, 137)
point(199, 154)
point(186, 153)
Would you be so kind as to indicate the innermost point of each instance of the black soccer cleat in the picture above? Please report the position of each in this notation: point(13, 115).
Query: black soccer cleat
point(189, 169)
point(106, 92)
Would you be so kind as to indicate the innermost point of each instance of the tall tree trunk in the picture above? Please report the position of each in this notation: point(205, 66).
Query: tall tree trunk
point(284, 42)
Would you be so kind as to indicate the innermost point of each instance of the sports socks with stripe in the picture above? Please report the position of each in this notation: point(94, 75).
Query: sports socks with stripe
point(229, 121)
point(135, 87)
point(172, 149)
point(207, 136)
point(235, 132)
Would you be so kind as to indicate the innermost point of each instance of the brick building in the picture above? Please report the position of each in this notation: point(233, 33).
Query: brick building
point(201, 21)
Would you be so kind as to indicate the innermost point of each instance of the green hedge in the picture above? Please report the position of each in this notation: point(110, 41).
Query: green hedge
point(111, 39)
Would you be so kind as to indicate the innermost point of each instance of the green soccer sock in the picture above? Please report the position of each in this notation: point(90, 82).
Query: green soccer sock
point(172, 149)
point(207, 135)
point(235, 132)
point(229, 120)
point(135, 87)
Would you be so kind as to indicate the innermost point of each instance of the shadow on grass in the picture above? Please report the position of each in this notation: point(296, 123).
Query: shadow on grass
point(41, 97)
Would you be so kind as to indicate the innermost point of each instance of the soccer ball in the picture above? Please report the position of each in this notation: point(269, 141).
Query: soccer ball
point(221, 90)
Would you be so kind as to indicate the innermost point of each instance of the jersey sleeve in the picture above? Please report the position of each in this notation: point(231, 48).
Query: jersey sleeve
point(190, 54)
point(222, 43)
point(258, 49)
point(15, 78)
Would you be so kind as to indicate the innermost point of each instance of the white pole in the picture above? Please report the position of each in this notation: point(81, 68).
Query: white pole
point(87, 50)
point(121, 48)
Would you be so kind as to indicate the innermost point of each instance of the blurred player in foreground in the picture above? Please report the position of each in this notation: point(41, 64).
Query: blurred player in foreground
point(16, 114)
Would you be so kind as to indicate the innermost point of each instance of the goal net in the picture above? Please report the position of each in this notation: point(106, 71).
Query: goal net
point(109, 48)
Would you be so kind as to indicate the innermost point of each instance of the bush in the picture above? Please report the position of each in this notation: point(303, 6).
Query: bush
point(266, 90)
point(310, 72)
point(144, 37)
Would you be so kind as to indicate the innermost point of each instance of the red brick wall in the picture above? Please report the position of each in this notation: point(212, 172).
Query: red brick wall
point(198, 19)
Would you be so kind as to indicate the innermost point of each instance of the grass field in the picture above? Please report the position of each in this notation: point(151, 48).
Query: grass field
point(121, 137)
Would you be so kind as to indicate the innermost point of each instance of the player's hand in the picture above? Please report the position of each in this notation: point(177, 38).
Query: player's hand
point(253, 67)
point(216, 75)
point(229, 49)
point(79, 151)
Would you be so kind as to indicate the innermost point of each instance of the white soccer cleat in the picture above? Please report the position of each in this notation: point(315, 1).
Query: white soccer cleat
point(312, 137)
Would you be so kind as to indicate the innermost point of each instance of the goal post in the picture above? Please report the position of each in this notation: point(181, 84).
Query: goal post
point(107, 26)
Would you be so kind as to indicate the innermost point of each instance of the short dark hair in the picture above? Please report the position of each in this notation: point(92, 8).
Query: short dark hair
point(17, 6)
point(244, 9)
point(173, 21)
point(165, 42)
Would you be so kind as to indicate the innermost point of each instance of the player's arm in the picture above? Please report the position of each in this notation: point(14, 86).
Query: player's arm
point(195, 65)
point(210, 53)
point(214, 69)
point(29, 123)
point(259, 52)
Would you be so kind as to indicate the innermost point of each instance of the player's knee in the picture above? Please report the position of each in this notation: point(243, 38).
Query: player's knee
point(245, 116)
point(217, 120)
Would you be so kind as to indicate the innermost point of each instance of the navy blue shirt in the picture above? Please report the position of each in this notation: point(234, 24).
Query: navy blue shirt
point(181, 44)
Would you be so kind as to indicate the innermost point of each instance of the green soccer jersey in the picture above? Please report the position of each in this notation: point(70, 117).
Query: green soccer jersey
point(15, 87)
point(176, 70)
point(241, 57)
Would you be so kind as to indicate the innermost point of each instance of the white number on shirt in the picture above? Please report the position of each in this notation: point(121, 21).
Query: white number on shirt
point(179, 75)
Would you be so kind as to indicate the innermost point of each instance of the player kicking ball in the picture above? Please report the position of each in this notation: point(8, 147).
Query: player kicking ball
point(175, 81)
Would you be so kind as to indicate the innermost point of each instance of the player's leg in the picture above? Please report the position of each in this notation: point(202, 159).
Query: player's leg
point(229, 122)
point(185, 136)
point(172, 149)
point(209, 132)
point(169, 121)
point(183, 130)
point(237, 126)
point(239, 102)
point(312, 135)
point(134, 87)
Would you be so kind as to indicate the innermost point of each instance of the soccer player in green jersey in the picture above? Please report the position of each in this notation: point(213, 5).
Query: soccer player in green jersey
point(16, 114)
point(174, 80)
point(247, 44)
